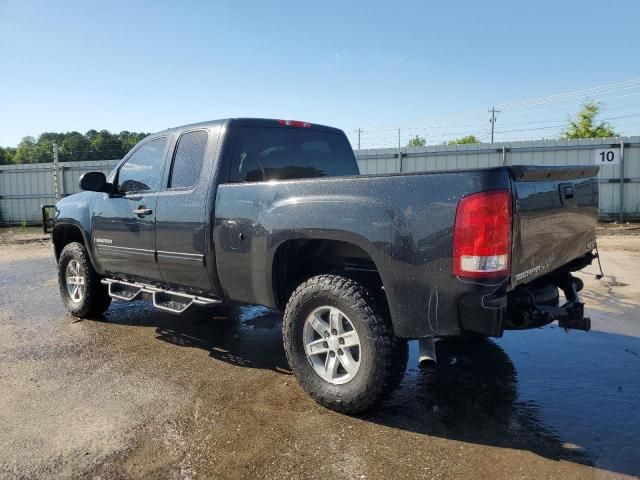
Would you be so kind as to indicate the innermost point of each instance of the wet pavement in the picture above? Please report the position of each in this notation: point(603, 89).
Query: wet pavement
point(145, 394)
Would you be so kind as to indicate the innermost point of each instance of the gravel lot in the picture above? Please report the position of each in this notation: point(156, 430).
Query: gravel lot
point(145, 394)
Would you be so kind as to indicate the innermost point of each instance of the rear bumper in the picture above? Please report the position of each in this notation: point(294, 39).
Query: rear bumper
point(492, 314)
point(485, 314)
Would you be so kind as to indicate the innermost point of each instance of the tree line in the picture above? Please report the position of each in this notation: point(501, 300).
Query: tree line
point(72, 146)
point(104, 145)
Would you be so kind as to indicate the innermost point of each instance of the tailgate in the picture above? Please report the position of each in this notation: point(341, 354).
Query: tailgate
point(555, 214)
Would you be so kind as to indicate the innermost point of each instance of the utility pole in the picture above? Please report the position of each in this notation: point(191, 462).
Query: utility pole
point(399, 146)
point(492, 120)
point(359, 132)
point(56, 183)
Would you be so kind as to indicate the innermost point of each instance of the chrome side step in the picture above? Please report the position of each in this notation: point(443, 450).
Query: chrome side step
point(167, 300)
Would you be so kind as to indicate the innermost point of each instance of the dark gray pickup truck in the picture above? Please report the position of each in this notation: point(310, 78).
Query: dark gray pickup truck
point(274, 212)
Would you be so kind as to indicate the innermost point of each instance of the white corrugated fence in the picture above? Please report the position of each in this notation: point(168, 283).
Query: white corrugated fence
point(619, 183)
point(24, 188)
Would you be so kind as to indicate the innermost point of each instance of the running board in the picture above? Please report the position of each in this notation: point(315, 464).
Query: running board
point(167, 300)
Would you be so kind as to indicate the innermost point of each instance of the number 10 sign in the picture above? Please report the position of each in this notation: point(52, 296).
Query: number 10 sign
point(608, 156)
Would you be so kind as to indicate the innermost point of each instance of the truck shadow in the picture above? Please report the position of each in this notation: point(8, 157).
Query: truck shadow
point(472, 396)
point(478, 394)
point(540, 390)
point(246, 336)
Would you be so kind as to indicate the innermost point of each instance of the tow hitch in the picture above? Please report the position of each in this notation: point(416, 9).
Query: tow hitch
point(571, 314)
point(531, 307)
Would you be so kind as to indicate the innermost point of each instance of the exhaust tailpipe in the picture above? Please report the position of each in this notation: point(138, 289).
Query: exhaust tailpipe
point(427, 356)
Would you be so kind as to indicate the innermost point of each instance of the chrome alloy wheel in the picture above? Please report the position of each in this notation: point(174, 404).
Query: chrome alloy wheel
point(75, 281)
point(332, 345)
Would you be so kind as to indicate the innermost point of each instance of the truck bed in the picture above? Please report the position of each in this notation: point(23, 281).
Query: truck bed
point(404, 223)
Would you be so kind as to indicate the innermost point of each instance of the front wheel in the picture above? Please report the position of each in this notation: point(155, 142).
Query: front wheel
point(340, 345)
point(82, 293)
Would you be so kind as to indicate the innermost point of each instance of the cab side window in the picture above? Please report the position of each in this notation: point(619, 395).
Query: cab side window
point(143, 169)
point(188, 158)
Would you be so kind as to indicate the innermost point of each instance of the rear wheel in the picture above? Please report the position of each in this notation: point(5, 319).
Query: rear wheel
point(82, 293)
point(340, 345)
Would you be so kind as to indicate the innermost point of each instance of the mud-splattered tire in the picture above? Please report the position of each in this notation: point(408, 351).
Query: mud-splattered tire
point(382, 357)
point(91, 299)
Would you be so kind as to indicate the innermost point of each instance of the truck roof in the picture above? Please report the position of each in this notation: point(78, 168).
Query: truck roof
point(248, 122)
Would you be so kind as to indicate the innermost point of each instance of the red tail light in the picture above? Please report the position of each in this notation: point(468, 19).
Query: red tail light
point(294, 123)
point(482, 235)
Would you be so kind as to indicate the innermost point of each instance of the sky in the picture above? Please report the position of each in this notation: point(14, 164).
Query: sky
point(430, 68)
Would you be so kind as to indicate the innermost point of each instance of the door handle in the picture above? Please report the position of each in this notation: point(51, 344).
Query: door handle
point(567, 192)
point(142, 211)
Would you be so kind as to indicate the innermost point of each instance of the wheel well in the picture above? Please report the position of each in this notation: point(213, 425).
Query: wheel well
point(63, 235)
point(298, 260)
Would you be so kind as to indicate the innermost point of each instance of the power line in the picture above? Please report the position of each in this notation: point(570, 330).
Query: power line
point(514, 105)
point(372, 139)
point(571, 104)
point(612, 87)
point(561, 125)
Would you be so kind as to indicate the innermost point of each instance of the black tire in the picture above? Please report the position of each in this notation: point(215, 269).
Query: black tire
point(95, 300)
point(545, 294)
point(383, 357)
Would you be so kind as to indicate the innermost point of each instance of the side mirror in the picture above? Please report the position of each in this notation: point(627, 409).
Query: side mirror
point(94, 182)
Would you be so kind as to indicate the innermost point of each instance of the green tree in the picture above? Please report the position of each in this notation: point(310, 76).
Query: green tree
point(26, 151)
point(466, 140)
point(44, 148)
point(91, 134)
point(72, 146)
point(129, 139)
point(6, 155)
point(584, 125)
point(105, 146)
point(417, 141)
point(51, 137)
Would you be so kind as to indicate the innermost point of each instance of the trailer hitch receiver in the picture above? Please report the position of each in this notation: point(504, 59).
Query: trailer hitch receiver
point(570, 316)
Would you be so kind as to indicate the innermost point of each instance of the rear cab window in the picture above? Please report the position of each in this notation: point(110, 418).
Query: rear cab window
point(275, 153)
point(186, 166)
